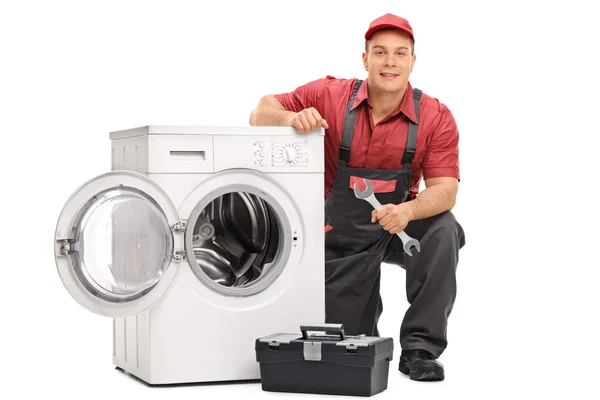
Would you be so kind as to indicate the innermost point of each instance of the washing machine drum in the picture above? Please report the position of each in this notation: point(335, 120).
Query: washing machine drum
point(236, 239)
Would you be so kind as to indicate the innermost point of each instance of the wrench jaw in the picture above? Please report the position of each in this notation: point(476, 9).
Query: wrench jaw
point(357, 192)
point(368, 191)
point(411, 243)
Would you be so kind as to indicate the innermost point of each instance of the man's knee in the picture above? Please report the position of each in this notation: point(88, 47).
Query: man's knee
point(446, 227)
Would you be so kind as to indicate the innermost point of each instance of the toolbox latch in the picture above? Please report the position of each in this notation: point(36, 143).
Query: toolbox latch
point(312, 351)
point(352, 348)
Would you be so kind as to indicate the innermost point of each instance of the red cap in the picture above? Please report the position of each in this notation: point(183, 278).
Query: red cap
point(389, 21)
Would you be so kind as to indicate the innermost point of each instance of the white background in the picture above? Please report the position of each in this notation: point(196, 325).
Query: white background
point(520, 77)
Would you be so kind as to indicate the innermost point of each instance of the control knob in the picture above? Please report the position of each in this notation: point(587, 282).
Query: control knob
point(290, 154)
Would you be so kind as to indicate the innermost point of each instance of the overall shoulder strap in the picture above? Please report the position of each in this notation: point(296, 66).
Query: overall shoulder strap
point(411, 139)
point(349, 123)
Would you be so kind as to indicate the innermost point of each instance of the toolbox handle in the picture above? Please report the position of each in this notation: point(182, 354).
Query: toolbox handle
point(329, 329)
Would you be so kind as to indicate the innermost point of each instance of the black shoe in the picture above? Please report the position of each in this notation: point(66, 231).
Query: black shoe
point(421, 365)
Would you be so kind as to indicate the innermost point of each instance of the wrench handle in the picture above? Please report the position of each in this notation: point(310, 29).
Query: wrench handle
point(374, 202)
point(404, 237)
point(377, 205)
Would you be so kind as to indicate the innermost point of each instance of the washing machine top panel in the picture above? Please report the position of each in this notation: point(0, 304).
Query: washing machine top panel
point(118, 243)
point(210, 130)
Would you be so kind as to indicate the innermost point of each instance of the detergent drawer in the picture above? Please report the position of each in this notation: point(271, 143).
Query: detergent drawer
point(328, 363)
point(180, 154)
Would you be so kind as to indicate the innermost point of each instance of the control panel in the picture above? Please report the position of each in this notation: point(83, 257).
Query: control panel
point(281, 153)
point(274, 153)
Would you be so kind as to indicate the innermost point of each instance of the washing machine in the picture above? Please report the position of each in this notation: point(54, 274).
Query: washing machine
point(198, 241)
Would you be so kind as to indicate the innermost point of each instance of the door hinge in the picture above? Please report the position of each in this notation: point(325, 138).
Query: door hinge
point(179, 255)
point(65, 248)
point(179, 226)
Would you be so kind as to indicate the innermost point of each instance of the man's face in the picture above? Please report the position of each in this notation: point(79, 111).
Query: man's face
point(389, 61)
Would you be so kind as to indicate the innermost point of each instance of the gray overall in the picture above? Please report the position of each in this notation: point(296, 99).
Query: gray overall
point(355, 249)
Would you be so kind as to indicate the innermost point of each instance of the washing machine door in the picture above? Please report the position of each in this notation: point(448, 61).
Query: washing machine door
point(118, 244)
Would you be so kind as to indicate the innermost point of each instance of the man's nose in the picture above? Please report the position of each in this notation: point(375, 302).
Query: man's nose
point(390, 60)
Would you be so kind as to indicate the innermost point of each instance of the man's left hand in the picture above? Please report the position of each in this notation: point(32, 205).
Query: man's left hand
point(392, 217)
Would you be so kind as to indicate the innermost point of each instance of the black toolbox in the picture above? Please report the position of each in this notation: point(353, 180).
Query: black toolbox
point(329, 363)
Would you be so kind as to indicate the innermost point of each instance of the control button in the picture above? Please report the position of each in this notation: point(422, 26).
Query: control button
point(262, 162)
point(261, 144)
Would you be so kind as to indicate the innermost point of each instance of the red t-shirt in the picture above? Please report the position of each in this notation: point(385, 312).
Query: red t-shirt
point(381, 146)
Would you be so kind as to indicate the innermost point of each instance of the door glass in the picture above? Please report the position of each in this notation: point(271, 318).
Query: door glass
point(123, 244)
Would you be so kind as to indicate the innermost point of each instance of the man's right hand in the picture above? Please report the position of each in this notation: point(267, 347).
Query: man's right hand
point(308, 120)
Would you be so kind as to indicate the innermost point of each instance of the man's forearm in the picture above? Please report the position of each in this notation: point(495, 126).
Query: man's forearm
point(432, 201)
point(270, 112)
